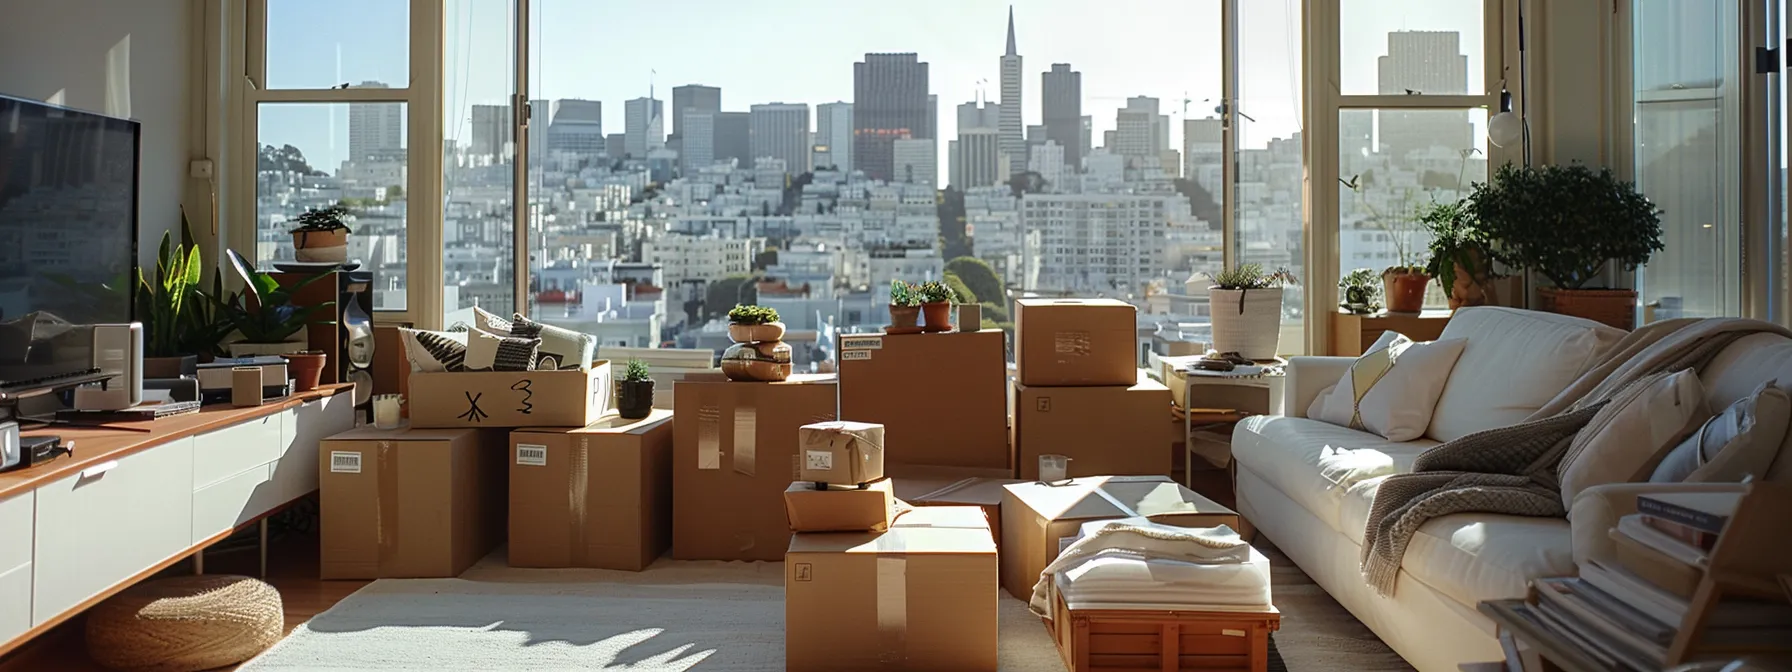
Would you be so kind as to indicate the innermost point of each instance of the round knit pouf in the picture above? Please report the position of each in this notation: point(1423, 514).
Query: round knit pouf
point(185, 623)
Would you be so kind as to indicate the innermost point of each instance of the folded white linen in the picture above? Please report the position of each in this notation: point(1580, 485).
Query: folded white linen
point(1144, 541)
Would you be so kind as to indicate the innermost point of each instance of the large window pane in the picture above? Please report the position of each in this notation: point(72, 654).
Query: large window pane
point(327, 44)
point(1406, 47)
point(1395, 163)
point(1270, 172)
point(307, 161)
point(479, 159)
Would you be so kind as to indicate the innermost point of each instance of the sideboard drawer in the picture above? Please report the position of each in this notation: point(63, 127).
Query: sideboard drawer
point(105, 525)
point(224, 505)
point(312, 422)
point(16, 520)
point(229, 451)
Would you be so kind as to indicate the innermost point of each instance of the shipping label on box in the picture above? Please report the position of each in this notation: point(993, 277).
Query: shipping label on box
point(510, 399)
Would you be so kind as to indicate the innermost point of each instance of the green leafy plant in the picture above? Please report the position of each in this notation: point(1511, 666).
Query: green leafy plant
point(904, 295)
point(934, 291)
point(1566, 222)
point(323, 219)
point(1457, 241)
point(1252, 276)
point(749, 315)
point(1360, 289)
point(271, 317)
point(635, 371)
point(178, 316)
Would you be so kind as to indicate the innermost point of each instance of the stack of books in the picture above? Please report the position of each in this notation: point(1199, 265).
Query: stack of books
point(1626, 612)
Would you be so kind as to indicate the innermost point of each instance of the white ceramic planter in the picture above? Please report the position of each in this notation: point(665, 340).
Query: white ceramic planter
point(1247, 321)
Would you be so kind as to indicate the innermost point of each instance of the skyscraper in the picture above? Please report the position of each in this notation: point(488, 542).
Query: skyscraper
point(733, 138)
point(644, 126)
point(984, 116)
point(833, 127)
point(1149, 131)
point(1203, 151)
point(375, 130)
point(1428, 62)
point(577, 127)
point(781, 131)
point(1014, 144)
point(491, 131)
point(1061, 90)
point(890, 103)
point(697, 148)
point(915, 160)
point(693, 98)
point(979, 159)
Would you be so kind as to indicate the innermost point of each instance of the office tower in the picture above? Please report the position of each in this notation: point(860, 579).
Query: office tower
point(1202, 151)
point(644, 124)
point(697, 149)
point(693, 98)
point(890, 103)
point(915, 160)
point(980, 159)
point(615, 145)
point(975, 116)
point(577, 127)
point(833, 127)
point(1047, 159)
point(1088, 138)
point(1140, 130)
point(953, 177)
point(375, 130)
point(733, 138)
point(781, 131)
point(1061, 91)
point(1013, 143)
point(491, 131)
point(1428, 62)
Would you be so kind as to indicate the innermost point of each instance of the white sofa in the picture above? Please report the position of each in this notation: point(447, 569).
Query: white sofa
point(1308, 485)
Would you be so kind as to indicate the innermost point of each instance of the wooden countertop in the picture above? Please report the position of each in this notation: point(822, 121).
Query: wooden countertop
point(94, 445)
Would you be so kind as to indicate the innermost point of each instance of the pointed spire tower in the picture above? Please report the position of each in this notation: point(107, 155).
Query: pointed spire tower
point(1013, 139)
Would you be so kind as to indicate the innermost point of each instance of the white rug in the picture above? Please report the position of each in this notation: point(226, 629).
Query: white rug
point(675, 616)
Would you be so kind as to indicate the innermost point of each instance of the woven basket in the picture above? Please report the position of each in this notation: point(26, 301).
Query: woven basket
point(185, 623)
point(1611, 307)
point(1247, 321)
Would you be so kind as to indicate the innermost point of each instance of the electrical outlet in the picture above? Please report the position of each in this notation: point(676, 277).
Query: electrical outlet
point(200, 169)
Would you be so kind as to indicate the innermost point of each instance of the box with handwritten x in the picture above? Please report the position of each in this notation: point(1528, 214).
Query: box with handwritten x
point(509, 399)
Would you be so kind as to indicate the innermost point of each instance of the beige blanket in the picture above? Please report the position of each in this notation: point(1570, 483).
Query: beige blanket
point(1517, 470)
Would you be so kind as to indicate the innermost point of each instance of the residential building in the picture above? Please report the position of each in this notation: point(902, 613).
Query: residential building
point(1202, 152)
point(781, 131)
point(890, 103)
point(690, 263)
point(375, 130)
point(1014, 144)
point(1048, 160)
point(1061, 91)
point(1103, 242)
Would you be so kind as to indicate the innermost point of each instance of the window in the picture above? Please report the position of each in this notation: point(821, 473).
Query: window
point(479, 150)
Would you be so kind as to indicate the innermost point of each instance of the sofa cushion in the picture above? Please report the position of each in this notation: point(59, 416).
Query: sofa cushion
point(1392, 389)
point(1740, 442)
point(1313, 462)
point(1626, 439)
point(1514, 363)
point(1740, 369)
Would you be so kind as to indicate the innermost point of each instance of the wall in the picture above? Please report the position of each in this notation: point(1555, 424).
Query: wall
point(1570, 86)
point(127, 58)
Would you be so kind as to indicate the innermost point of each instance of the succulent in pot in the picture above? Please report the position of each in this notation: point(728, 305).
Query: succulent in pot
point(754, 324)
point(322, 235)
point(634, 392)
point(1358, 291)
point(936, 305)
point(1247, 310)
point(905, 308)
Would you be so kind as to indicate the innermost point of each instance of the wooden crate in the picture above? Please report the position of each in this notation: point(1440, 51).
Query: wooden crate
point(1145, 640)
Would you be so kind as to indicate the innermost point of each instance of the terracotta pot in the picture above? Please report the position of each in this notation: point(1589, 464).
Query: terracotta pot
point(1611, 307)
point(905, 317)
point(1405, 291)
point(170, 367)
point(303, 240)
point(763, 362)
point(634, 399)
point(306, 368)
point(756, 333)
point(937, 316)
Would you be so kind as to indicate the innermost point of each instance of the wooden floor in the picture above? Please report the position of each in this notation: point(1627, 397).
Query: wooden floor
point(292, 568)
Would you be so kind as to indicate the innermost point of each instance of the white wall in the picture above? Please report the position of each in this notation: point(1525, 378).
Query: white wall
point(127, 58)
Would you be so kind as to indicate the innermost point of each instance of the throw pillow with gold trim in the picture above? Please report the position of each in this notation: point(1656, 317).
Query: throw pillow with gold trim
point(1392, 389)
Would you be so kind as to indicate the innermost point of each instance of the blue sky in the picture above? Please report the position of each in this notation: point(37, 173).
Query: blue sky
point(802, 51)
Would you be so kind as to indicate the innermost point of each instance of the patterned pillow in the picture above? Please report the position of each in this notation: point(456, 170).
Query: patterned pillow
point(486, 352)
point(434, 351)
point(560, 348)
point(491, 324)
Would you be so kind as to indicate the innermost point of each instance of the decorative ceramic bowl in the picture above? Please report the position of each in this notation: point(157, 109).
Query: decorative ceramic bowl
point(762, 362)
point(756, 333)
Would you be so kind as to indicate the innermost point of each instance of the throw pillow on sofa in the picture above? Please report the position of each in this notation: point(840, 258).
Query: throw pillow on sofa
point(1741, 441)
point(1624, 441)
point(1392, 389)
point(1515, 362)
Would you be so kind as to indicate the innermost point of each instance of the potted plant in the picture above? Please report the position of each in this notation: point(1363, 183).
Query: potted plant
point(754, 324)
point(321, 235)
point(1404, 287)
point(265, 316)
point(936, 305)
point(634, 393)
point(1460, 254)
point(1247, 310)
point(905, 308)
point(1568, 223)
point(307, 368)
point(1357, 291)
point(179, 322)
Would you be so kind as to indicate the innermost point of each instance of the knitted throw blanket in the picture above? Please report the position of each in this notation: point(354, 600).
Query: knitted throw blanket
point(1516, 470)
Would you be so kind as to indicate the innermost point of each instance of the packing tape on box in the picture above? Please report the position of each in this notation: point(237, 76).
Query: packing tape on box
point(892, 611)
point(743, 424)
point(385, 504)
point(746, 436)
point(578, 493)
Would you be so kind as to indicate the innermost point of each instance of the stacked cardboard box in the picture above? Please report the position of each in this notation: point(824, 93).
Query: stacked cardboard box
point(1039, 520)
point(598, 496)
point(840, 484)
point(1078, 391)
point(409, 503)
point(938, 396)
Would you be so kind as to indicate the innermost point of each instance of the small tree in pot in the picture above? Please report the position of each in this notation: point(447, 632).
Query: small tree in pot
point(1247, 310)
point(634, 393)
point(754, 324)
point(321, 235)
point(936, 305)
point(905, 308)
point(1567, 223)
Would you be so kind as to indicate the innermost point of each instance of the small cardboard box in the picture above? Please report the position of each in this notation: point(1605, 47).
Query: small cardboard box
point(510, 399)
point(1065, 342)
point(598, 496)
point(734, 454)
point(938, 396)
point(1039, 520)
point(983, 492)
point(839, 508)
point(921, 596)
point(409, 503)
point(841, 452)
point(1106, 431)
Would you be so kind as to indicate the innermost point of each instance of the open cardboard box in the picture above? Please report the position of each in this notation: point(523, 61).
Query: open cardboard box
point(510, 399)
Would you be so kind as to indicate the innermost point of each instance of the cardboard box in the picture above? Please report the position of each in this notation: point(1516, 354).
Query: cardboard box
point(734, 453)
point(409, 503)
point(913, 482)
point(839, 508)
point(938, 396)
point(510, 399)
point(1066, 342)
point(841, 452)
point(921, 596)
point(1106, 431)
point(597, 496)
point(983, 492)
point(1038, 520)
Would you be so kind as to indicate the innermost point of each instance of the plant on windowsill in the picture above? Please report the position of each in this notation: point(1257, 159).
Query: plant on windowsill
point(634, 393)
point(1247, 310)
point(936, 306)
point(265, 316)
point(1461, 258)
point(1357, 292)
point(1569, 223)
point(905, 308)
point(754, 324)
point(322, 235)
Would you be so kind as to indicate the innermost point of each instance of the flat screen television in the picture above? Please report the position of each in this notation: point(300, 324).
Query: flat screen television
point(68, 233)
